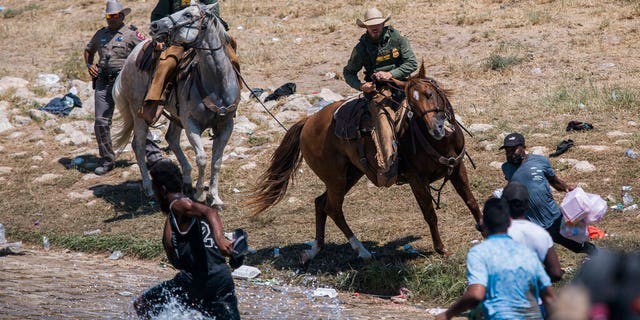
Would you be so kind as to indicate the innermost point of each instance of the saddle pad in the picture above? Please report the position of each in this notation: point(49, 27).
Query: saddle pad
point(147, 57)
point(347, 118)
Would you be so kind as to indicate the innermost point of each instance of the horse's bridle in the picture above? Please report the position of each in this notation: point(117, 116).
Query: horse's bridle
point(437, 109)
point(204, 19)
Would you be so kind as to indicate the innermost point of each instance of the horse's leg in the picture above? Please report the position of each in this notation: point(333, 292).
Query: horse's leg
point(423, 196)
point(193, 134)
point(139, 144)
point(460, 182)
point(330, 203)
point(225, 127)
point(173, 139)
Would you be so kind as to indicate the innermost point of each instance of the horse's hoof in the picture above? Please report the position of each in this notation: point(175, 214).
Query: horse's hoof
point(443, 252)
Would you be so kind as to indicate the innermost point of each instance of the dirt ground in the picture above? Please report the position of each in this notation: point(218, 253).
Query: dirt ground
point(572, 60)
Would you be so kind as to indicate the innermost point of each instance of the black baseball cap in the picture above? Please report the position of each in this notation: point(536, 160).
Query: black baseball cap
point(512, 140)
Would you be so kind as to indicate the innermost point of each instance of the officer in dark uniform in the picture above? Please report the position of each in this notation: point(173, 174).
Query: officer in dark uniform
point(168, 60)
point(384, 54)
point(113, 44)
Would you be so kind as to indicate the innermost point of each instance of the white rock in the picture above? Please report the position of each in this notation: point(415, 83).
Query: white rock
point(24, 94)
point(249, 166)
point(80, 195)
point(617, 133)
point(595, 148)
point(632, 123)
point(47, 80)
point(297, 104)
point(539, 150)
point(5, 170)
point(584, 166)
point(243, 125)
point(47, 177)
point(329, 95)
point(289, 116)
point(21, 121)
point(480, 127)
point(568, 161)
point(496, 164)
point(7, 83)
point(37, 158)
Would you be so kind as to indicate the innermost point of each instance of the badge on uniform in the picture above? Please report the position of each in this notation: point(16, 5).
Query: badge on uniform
point(395, 52)
point(119, 38)
point(139, 35)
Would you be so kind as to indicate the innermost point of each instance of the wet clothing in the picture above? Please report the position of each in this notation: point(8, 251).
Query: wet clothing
point(391, 53)
point(533, 173)
point(204, 281)
point(113, 48)
point(166, 7)
point(512, 275)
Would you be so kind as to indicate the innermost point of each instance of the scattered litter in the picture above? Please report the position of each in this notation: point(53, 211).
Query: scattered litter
point(562, 147)
point(125, 293)
point(276, 252)
point(402, 297)
point(116, 255)
point(581, 105)
point(245, 272)
point(325, 292)
point(578, 126)
point(45, 243)
point(275, 39)
point(631, 153)
point(329, 75)
point(436, 311)
point(267, 282)
point(36, 223)
point(617, 207)
point(236, 190)
point(409, 249)
point(631, 207)
point(286, 89)
point(62, 106)
point(240, 27)
point(91, 232)
point(2, 235)
point(595, 233)
point(318, 106)
point(297, 40)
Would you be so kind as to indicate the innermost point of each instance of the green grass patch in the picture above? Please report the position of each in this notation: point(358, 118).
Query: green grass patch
point(499, 62)
point(143, 249)
point(571, 99)
point(12, 13)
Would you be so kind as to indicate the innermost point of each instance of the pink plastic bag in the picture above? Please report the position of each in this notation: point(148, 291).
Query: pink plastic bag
point(578, 205)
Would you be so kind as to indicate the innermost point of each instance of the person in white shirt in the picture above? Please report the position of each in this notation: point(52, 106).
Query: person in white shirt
point(528, 233)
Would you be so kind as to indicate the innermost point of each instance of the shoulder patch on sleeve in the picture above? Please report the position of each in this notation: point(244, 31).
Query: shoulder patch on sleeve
point(132, 27)
point(139, 35)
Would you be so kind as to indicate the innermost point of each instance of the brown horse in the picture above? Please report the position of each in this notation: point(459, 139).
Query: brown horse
point(427, 152)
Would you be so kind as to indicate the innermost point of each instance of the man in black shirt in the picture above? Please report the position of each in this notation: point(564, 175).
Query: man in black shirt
point(195, 244)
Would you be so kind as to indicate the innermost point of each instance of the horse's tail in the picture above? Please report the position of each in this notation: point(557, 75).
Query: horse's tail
point(273, 183)
point(122, 135)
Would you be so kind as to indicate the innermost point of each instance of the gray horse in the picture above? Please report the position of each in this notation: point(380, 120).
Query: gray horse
point(211, 85)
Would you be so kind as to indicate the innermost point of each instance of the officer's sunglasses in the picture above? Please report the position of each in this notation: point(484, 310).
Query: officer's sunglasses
point(112, 16)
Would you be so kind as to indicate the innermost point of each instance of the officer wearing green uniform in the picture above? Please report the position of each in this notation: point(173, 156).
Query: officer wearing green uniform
point(113, 45)
point(384, 54)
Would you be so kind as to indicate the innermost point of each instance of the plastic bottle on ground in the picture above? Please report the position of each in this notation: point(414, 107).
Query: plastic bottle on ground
point(627, 199)
point(631, 153)
point(2, 238)
point(45, 243)
point(631, 207)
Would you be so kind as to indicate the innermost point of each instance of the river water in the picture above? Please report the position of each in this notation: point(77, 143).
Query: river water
point(68, 285)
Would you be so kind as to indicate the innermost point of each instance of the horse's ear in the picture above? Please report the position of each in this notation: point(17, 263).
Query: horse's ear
point(422, 73)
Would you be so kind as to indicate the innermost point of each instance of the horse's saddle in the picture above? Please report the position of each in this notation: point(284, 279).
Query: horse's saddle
point(146, 60)
point(348, 118)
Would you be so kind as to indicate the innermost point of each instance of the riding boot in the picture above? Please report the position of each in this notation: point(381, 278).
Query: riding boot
point(167, 63)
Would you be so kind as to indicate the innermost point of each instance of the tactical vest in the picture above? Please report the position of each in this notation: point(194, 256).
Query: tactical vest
point(390, 56)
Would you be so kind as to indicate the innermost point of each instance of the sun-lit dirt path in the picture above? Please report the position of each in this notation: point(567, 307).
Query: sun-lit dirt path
point(55, 285)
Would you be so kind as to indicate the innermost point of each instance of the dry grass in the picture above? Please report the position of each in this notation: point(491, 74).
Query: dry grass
point(569, 52)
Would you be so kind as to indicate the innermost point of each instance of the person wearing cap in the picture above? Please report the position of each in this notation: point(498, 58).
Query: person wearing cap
point(502, 274)
point(536, 174)
point(195, 244)
point(528, 233)
point(113, 44)
point(383, 53)
point(168, 60)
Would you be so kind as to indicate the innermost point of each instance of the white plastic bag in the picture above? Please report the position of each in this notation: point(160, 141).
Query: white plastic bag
point(578, 232)
point(578, 205)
